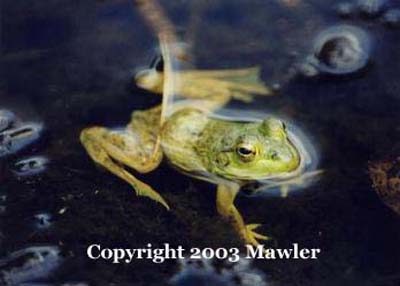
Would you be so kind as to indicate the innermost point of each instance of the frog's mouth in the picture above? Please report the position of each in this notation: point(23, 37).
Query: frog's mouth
point(295, 180)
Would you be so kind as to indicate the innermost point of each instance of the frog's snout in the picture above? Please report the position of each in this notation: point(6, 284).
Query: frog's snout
point(284, 156)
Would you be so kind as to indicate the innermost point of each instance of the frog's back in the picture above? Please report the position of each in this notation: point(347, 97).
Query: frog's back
point(179, 136)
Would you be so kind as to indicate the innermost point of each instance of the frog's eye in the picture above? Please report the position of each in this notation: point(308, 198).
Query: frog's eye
point(246, 152)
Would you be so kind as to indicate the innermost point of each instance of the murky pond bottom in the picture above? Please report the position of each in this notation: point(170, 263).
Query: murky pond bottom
point(67, 66)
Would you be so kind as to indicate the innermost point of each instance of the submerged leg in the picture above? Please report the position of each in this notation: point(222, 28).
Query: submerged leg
point(112, 150)
point(226, 194)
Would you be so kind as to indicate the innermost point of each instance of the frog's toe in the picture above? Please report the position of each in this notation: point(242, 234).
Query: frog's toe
point(252, 237)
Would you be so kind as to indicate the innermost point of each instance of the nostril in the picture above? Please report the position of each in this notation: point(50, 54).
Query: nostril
point(274, 155)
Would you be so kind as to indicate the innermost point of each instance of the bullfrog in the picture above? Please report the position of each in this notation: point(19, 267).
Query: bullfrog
point(228, 152)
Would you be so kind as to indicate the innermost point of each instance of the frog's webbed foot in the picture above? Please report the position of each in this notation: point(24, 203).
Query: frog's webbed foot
point(225, 204)
point(254, 236)
point(109, 149)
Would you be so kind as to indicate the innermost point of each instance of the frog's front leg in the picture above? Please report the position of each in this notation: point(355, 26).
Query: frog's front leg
point(114, 149)
point(226, 194)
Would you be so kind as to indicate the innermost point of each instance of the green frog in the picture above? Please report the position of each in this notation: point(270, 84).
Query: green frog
point(190, 137)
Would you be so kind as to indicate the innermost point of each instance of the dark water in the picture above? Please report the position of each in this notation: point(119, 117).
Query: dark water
point(69, 64)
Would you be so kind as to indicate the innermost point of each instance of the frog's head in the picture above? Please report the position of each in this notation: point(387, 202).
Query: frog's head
point(256, 151)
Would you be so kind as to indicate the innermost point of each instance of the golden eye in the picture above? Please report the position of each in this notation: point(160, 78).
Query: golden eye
point(246, 152)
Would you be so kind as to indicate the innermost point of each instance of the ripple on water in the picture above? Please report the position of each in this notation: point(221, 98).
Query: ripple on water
point(30, 166)
point(15, 139)
point(340, 50)
point(29, 264)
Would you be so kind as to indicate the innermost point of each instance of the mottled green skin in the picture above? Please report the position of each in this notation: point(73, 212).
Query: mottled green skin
point(203, 146)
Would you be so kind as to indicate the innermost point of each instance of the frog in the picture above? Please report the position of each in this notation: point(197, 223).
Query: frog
point(230, 153)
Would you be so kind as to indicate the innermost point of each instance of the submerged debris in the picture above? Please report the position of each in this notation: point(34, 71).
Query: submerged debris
point(385, 177)
point(29, 265)
point(340, 50)
point(206, 272)
point(30, 166)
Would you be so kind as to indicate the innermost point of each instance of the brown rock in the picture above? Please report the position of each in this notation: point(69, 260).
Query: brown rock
point(385, 177)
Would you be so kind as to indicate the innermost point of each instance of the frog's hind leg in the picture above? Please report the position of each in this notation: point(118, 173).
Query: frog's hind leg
point(226, 194)
point(114, 149)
